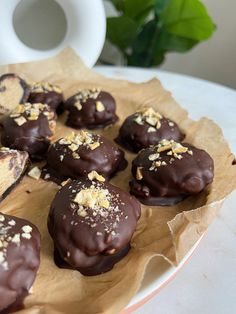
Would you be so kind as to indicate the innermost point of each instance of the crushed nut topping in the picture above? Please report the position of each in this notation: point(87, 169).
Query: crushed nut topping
point(85, 94)
point(45, 87)
point(153, 157)
point(151, 129)
point(96, 206)
point(149, 116)
point(170, 148)
point(35, 173)
point(20, 121)
point(99, 106)
point(93, 175)
point(139, 174)
point(65, 182)
point(7, 236)
point(30, 112)
point(82, 138)
point(93, 198)
point(4, 149)
point(78, 105)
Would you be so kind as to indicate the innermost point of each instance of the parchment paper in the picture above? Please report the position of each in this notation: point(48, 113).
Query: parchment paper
point(169, 232)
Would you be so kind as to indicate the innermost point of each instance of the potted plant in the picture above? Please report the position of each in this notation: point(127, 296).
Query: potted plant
point(146, 30)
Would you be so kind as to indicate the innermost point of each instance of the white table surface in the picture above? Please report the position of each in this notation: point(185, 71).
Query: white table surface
point(207, 283)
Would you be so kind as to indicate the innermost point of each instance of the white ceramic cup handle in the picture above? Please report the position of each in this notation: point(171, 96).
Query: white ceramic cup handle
point(86, 30)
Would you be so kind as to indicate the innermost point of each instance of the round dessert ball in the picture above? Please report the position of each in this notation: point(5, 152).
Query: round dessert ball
point(46, 93)
point(13, 91)
point(91, 109)
point(79, 153)
point(166, 173)
point(30, 128)
point(91, 223)
point(147, 127)
point(19, 260)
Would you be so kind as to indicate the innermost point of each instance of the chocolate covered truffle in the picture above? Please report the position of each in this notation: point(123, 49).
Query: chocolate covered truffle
point(29, 128)
point(147, 127)
point(46, 93)
point(91, 223)
point(79, 153)
point(13, 91)
point(19, 260)
point(166, 173)
point(13, 164)
point(91, 109)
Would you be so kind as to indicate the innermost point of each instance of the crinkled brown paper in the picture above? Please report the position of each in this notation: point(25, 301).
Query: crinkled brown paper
point(169, 232)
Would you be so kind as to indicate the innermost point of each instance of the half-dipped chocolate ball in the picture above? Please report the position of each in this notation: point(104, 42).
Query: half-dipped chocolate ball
point(91, 223)
point(30, 128)
point(19, 260)
point(147, 127)
point(46, 93)
point(79, 153)
point(13, 91)
point(91, 109)
point(168, 172)
point(13, 165)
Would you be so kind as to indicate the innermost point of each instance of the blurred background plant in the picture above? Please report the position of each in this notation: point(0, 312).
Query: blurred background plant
point(146, 30)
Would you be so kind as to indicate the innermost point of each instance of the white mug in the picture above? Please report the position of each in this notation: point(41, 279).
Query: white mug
point(84, 29)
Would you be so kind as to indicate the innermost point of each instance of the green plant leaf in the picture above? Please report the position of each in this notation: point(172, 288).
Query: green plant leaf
point(118, 4)
point(144, 52)
point(152, 43)
point(121, 31)
point(160, 5)
point(187, 18)
point(138, 9)
point(168, 42)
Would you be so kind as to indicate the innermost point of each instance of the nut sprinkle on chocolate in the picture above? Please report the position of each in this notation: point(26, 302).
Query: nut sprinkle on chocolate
point(19, 260)
point(91, 109)
point(7, 237)
point(145, 128)
point(82, 138)
point(45, 87)
point(170, 148)
point(150, 116)
point(96, 221)
point(166, 173)
point(79, 154)
point(29, 111)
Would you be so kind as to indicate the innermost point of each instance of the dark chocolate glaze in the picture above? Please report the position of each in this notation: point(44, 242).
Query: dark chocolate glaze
point(170, 184)
point(135, 137)
point(91, 244)
point(19, 262)
point(32, 137)
point(106, 159)
point(88, 117)
point(53, 99)
point(24, 85)
point(105, 263)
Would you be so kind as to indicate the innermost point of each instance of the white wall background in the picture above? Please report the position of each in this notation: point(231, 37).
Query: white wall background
point(215, 59)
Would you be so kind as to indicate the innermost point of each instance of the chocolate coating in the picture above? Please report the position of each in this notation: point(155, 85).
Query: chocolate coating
point(91, 109)
point(136, 133)
point(76, 156)
point(13, 91)
point(34, 134)
point(19, 260)
point(46, 93)
point(168, 179)
point(92, 232)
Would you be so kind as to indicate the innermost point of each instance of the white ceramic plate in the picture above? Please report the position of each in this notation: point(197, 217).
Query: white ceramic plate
point(200, 98)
